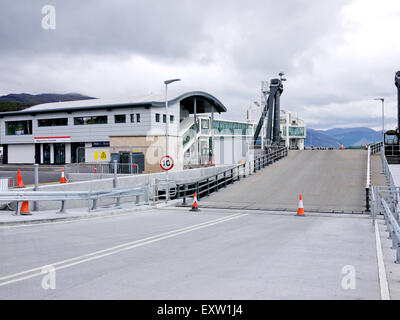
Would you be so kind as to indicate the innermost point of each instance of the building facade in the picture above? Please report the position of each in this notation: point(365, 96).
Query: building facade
point(293, 131)
point(93, 131)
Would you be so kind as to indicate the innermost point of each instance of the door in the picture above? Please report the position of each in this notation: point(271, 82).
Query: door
point(46, 153)
point(59, 153)
point(37, 153)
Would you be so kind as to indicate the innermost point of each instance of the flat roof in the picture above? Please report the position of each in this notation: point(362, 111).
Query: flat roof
point(204, 104)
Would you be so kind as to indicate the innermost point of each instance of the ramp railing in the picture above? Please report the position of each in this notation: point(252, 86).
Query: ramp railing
point(213, 183)
point(372, 149)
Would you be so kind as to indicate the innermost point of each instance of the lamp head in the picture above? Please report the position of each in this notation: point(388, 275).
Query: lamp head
point(170, 81)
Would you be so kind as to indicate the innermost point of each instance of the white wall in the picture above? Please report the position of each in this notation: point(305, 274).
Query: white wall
point(21, 153)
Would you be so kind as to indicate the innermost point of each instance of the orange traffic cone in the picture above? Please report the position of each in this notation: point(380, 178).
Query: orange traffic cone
point(342, 147)
point(95, 168)
point(63, 180)
point(20, 183)
point(300, 211)
point(25, 209)
point(195, 206)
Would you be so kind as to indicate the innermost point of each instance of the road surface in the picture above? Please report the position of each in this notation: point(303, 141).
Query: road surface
point(175, 254)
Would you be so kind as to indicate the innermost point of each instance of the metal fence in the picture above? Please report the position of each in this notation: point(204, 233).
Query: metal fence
point(213, 183)
point(102, 168)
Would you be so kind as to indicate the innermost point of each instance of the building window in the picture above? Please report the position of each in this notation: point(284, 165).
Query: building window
point(164, 118)
point(90, 120)
point(18, 127)
point(53, 122)
point(120, 118)
point(137, 117)
point(157, 117)
point(171, 119)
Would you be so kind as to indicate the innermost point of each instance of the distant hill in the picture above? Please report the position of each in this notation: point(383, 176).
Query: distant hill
point(318, 138)
point(350, 137)
point(16, 102)
point(355, 136)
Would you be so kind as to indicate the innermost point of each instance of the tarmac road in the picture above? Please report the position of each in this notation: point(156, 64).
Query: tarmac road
point(175, 254)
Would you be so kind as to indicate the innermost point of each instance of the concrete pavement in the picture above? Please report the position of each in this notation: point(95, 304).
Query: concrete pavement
point(328, 180)
point(174, 254)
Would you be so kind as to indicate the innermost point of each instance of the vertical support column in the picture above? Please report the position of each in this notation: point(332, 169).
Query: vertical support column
point(196, 145)
point(212, 135)
point(277, 115)
point(115, 183)
point(36, 174)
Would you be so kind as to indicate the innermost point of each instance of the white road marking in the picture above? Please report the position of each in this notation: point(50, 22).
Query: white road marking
point(113, 250)
point(383, 283)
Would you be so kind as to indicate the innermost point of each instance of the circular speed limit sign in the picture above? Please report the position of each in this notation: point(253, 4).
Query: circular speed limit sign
point(166, 163)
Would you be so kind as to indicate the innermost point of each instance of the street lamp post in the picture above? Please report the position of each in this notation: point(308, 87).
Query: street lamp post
point(167, 82)
point(383, 117)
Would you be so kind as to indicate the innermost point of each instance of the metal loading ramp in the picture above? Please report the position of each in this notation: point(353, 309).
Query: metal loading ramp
point(329, 181)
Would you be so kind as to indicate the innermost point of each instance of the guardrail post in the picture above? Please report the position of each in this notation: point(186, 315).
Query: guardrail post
point(216, 183)
point(208, 187)
point(367, 200)
point(225, 179)
point(255, 165)
point(137, 200)
point(115, 183)
point(184, 194)
point(238, 172)
point(232, 177)
point(36, 169)
point(62, 210)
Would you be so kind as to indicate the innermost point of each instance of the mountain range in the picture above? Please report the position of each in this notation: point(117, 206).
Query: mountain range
point(20, 101)
point(349, 137)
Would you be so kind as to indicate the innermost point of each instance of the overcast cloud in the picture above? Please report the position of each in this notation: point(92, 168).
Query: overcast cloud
point(337, 54)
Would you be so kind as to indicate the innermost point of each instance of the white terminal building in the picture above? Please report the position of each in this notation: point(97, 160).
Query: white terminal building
point(293, 131)
point(100, 130)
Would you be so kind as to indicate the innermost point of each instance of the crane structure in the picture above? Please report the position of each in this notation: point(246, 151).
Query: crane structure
point(271, 111)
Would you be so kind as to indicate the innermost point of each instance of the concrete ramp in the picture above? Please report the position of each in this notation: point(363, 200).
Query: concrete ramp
point(330, 181)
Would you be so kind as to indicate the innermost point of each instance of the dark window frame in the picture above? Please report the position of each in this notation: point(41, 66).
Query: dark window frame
point(53, 122)
point(90, 120)
point(122, 117)
point(27, 128)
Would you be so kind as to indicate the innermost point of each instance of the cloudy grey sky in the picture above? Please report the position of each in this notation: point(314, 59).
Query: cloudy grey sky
point(337, 54)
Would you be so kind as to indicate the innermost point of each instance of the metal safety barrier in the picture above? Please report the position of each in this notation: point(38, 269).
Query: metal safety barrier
point(372, 149)
point(392, 223)
point(92, 197)
point(213, 183)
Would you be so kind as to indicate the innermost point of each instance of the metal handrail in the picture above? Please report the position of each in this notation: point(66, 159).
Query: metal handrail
point(393, 228)
point(372, 149)
point(213, 183)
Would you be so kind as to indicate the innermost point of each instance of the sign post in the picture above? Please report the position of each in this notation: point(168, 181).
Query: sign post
point(167, 163)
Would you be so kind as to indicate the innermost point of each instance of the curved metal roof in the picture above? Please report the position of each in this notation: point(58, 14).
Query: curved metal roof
point(204, 102)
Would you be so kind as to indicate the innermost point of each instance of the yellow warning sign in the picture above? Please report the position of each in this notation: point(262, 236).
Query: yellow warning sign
point(96, 156)
point(103, 155)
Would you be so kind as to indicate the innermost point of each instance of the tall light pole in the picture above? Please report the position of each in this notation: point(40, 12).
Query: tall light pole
point(167, 82)
point(383, 117)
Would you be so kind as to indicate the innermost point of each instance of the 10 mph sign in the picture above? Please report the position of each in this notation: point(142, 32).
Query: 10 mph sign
point(166, 163)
